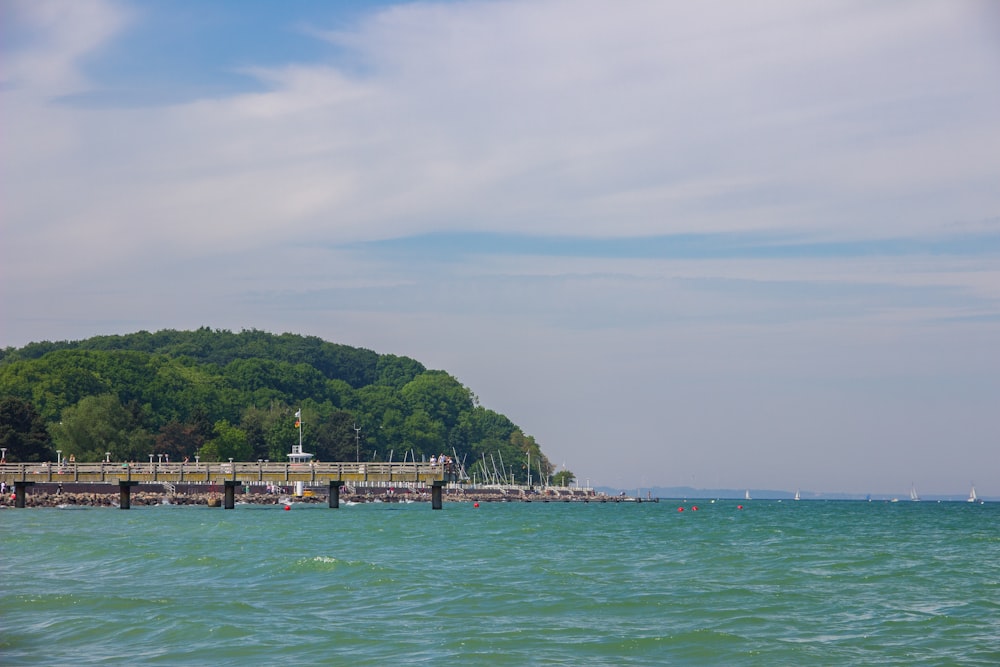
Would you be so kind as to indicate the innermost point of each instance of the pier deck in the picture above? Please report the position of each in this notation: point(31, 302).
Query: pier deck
point(243, 471)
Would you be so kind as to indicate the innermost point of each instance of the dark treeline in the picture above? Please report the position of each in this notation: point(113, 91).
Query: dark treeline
point(220, 394)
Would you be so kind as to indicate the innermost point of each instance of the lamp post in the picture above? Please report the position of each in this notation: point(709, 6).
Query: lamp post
point(357, 441)
point(159, 458)
point(3, 456)
point(150, 459)
point(196, 457)
point(107, 457)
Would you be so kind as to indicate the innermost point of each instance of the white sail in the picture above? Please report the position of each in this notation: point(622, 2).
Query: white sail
point(798, 496)
point(913, 493)
point(973, 498)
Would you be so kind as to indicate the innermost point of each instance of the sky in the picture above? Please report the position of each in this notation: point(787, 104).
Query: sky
point(714, 244)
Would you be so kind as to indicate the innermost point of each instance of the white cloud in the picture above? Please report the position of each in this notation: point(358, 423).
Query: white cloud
point(547, 118)
point(50, 37)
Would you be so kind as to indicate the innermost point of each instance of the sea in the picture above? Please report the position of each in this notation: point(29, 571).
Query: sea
point(703, 582)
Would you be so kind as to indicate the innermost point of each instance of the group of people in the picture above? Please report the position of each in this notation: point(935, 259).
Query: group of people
point(445, 461)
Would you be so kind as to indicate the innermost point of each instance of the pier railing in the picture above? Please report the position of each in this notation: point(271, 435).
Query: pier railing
point(244, 471)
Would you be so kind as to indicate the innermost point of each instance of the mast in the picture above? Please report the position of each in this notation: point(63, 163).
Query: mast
point(297, 455)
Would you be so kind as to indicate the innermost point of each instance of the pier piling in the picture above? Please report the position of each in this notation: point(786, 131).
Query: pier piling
point(19, 492)
point(125, 494)
point(229, 495)
point(335, 493)
point(436, 487)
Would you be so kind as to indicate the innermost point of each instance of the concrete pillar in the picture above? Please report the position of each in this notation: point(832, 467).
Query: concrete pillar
point(19, 492)
point(436, 487)
point(229, 494)
point(125, 494)
point(335, 493)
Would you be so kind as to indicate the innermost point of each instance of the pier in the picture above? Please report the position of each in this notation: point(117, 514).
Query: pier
point(229, 476)
point(264, 481)
point(218, 473)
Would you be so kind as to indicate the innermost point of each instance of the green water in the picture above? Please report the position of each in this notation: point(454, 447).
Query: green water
point(793, 583)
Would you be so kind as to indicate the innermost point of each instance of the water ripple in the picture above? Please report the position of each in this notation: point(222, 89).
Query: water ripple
point(505, 584)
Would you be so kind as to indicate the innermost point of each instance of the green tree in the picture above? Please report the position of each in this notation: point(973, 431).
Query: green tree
point(95, 425)
point(439, 395)
point(252, 424)
point(23, 433)
point(395, 371)
point(334, 437)
point(423, 435)
point(229, 442)
point(563, 478)
point(179, 440)
point(380, 413)
point(278, 424)
point(141, 443)
point(178, 384)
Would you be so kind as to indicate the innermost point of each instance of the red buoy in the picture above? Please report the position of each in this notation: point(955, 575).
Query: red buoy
point(476, 504)
point(739, 507)
point(288, 507)
point(680, 509)
point(694, 508)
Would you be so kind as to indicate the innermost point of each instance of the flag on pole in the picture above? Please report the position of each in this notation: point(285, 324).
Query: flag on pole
point(298, 418)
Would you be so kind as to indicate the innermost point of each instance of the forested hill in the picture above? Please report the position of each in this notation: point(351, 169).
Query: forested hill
point(221, 394)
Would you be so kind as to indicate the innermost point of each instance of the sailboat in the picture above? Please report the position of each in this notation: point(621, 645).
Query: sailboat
point(913, 493)
point(798, 496)
point(746, 496)
point(973, 498)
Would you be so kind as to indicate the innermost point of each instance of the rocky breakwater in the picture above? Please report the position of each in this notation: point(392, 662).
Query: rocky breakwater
point(44, 495)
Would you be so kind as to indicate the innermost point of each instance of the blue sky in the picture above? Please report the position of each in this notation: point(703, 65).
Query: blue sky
point(740, 245)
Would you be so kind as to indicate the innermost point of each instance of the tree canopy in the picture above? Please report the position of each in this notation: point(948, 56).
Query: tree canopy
point(220, 394)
